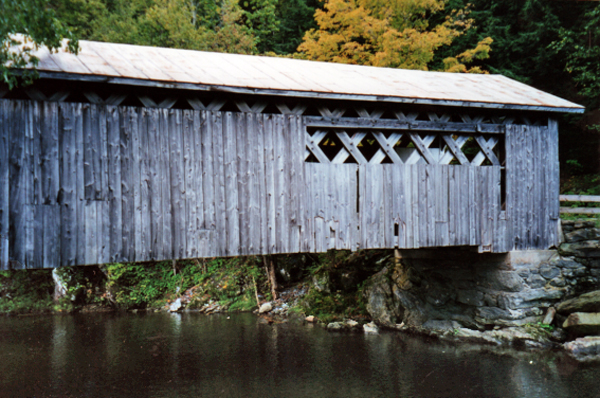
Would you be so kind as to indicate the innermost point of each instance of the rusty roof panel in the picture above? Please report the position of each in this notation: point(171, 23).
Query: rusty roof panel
point(297, 77)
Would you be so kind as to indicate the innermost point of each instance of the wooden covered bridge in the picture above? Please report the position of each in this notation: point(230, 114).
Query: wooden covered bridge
point(130, 153)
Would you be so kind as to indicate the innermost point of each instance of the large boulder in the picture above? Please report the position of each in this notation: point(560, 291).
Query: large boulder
point(583, 323)
point(582, 234)
point(586, 248)
point(588, 302)
point(584, 348)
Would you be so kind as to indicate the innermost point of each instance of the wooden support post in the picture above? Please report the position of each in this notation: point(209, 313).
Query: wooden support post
point(270, 269)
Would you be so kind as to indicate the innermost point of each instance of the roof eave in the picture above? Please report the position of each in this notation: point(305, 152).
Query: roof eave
point(301, 94)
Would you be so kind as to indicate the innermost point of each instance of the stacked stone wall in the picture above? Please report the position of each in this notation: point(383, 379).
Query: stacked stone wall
point(485, 291)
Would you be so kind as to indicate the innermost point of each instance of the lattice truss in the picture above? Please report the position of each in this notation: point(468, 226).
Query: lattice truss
point(179, 99)
point(375, 147)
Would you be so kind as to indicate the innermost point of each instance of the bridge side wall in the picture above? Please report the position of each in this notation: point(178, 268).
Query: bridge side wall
point(91, 184)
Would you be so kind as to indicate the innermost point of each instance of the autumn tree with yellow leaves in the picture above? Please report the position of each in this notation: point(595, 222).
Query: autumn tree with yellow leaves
point(390, 33)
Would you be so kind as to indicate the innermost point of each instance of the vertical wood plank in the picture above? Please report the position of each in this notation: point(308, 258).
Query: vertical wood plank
point(270, 184)
point(114, 182)
point(128, 118)
point(150, 211)
point(193, 182)
point(165, 180)
point(235, 182)
point(219, 180)
point(178, 189)
point(5, 122)
point(68, 203)
point(208, 171)
point(280, 185)
point(553, 185)
point(259, 172)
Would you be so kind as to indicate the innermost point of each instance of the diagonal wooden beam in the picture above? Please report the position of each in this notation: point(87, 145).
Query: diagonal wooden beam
point(336, 113)
point(341, 156)
point(351, 145)
point(168, 102)
point(434, 117)
point(285, 110)
point(362, 112)
point(312, 143)
point(487, 147)
point(406, 118)
point(455, 149)
point(423, 147)
point(115, 99)
point(387, 146)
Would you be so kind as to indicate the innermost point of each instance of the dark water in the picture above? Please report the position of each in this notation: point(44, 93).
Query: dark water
point(192, 355)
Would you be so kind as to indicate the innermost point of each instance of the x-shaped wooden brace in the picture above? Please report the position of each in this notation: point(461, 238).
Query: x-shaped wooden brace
point(351, 147)
point(487, 151)
point(422, 145)
point(198, 105)
point(387, 148)
point(113, 99)
point(455, 147)
point(285, 110)
point(258, 106)
point(312, 143)
point(37, 95)
point(336, 113)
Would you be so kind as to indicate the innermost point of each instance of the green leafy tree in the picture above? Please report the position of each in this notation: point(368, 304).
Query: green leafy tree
point(295, 18)
point(190, 24)
point(39, 26)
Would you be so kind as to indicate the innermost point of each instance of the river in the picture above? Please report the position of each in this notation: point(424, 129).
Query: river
point(193, 355)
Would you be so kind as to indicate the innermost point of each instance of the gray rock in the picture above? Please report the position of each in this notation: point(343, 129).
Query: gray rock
point(381, 303)
point(535, 281)
point(351, 323)
point(587, 248)
point(336, 326)
point(564, 262)
point(549, 272)
point(588, 302)
point(471, 297)
point(266, 307)
point(575, 272)
point(582, 234)
point(370, 328)
point(585, 348)
point(583, 323)
point(310, 318)
point(322, 282)
point(529, 298)
point(175, 305)
point(60, 284)
point(508, 281)
point(498, 316)
point(549, 317)
point(558, 282)
point(441, 325)
point(558, 334)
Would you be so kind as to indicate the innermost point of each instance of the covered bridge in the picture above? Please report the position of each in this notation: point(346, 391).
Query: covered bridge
point(130, 153)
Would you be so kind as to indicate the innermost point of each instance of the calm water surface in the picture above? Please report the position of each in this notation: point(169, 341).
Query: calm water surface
point(192, 355)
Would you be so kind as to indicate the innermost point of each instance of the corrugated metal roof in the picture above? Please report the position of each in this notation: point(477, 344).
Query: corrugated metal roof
point(123, 63)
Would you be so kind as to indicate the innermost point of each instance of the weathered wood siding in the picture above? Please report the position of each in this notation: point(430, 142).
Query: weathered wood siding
point(91, 184)
point(532, 186)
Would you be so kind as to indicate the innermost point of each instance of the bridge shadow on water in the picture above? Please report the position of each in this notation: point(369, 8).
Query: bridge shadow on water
point(189, 355)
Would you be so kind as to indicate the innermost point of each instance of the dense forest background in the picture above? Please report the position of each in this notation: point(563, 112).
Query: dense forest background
point(551, 45)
